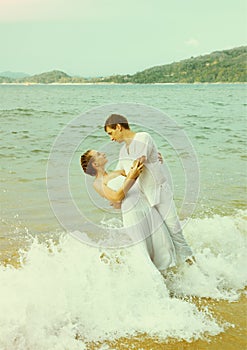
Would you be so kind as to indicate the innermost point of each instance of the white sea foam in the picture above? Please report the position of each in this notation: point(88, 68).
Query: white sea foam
point(220, 247)
point(72, 289)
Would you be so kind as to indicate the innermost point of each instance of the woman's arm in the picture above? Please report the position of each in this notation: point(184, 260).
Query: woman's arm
point(116, 196)
point(115, 173)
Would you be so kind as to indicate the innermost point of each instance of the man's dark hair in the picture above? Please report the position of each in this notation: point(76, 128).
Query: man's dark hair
point(115, 119)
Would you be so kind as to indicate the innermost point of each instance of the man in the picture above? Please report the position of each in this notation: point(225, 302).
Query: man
point(152, 181)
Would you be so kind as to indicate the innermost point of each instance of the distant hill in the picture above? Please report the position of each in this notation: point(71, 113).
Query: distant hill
point(13, 75)
point(46, 78)
point(227, 66)
point(55, 76)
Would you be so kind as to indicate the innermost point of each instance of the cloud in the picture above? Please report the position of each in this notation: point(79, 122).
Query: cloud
point(31, 10)
point(192, 42)
point(56, 10)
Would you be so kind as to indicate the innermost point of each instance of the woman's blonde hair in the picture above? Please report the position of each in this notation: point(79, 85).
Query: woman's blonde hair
point(86, 163)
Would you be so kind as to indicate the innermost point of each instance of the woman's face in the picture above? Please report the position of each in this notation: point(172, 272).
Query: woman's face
point(99, 157)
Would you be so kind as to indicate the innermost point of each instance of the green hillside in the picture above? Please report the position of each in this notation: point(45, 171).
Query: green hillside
point(52, 77)
point(227, 66)
point(46, 78)
point(6, 80)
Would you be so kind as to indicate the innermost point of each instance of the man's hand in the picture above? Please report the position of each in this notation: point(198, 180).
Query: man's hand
point(191, 260)
point(160, 158)
point(116, 205)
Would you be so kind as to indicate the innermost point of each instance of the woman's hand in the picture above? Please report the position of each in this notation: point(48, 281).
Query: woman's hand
point(142, 159)
point(135, 170)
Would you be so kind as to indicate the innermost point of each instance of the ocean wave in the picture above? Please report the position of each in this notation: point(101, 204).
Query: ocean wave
point(68, 293)
point(220, 247)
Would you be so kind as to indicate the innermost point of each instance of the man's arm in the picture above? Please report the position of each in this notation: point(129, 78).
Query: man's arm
point(144, 147)
point(143, 159)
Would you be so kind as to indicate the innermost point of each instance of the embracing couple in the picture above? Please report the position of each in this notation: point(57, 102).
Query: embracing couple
point(140, 188)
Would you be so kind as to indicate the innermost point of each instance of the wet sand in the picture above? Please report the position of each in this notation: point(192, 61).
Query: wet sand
point(234, 337)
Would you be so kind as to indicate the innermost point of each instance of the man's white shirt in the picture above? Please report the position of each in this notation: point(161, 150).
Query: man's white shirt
point(153, 176)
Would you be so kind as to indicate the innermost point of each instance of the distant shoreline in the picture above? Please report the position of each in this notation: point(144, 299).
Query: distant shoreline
point(112, 83)
point(219, 67)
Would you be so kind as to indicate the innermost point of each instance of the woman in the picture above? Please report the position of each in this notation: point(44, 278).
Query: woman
point(144, 224)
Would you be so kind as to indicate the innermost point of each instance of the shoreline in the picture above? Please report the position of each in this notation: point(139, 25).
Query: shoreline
point(112, 83)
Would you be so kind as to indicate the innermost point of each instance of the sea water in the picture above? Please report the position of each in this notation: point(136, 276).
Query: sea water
point(59, 293)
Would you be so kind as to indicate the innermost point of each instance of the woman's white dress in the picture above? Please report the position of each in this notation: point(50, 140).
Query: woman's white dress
point(145, 226)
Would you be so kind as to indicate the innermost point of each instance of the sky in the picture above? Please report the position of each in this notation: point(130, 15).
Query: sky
point(104, 37)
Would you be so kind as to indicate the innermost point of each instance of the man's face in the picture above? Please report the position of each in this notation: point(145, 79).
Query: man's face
point(115, 134)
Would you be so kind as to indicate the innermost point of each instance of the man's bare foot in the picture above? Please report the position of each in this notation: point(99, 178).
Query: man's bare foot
point(191, 260)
